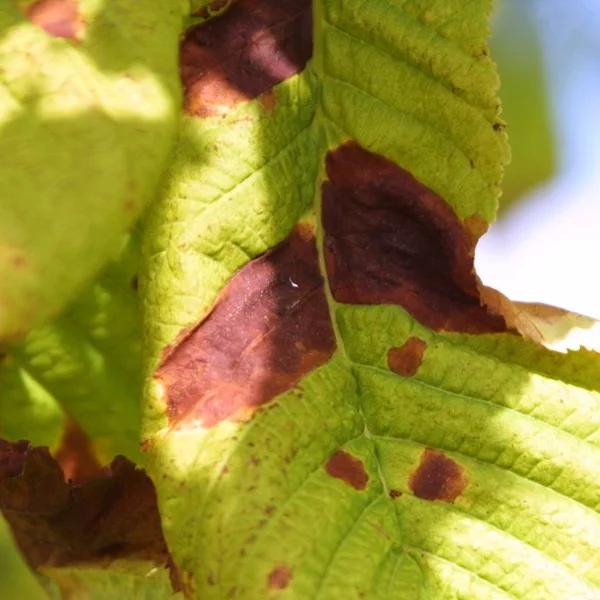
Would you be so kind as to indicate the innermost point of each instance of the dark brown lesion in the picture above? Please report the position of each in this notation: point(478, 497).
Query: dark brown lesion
point(243, 53)
point(268, 329)
point(59, 18)
point(437, 477)
point(349, 469)
point(112, 515)
point(391, 240)
point(406, 359)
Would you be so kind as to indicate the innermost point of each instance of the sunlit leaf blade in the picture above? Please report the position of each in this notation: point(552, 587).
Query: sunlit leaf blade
point(446, 458)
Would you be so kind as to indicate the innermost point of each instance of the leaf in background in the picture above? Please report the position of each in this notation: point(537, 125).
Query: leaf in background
point(17, 580)
point(83, 371)
point(85, 366)
point(517, 49)
point(331, 412)
point(88, 106)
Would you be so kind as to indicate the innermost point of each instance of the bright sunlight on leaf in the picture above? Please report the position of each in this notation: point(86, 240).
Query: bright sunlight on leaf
point(288, 381)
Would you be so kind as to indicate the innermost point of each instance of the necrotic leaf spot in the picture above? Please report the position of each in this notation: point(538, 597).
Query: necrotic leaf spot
point(269, 328)
point(243, 53)
point(391, 240)
point(348, 468)
point(59, 18)
point(279, 578)
point(437, 477)
point(406, 359)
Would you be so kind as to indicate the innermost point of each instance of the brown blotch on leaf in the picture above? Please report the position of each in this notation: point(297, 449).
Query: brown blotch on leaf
point(76, 456)
point(391, 240)
point(437, 477)
point(395, 494)
point(59, 18)
point(58, 523)
point(243, 53)
point(348, 468)
point(407, 359)
point(269, 327)
point(279, 578)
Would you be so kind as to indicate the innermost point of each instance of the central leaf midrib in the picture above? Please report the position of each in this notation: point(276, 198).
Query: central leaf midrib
point(331, 304)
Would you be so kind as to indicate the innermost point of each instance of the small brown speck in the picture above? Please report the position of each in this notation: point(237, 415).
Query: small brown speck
point(279, 578)
point(18, 261)
point(146, 445)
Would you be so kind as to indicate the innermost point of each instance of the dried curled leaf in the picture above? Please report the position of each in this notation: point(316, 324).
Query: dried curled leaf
point(108, 518)
point(554, 328)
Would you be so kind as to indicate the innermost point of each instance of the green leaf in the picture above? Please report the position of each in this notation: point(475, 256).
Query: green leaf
point(21, 581)
point(88, 106)
point(84, 366)
point(334, 406)
point(337, 416)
